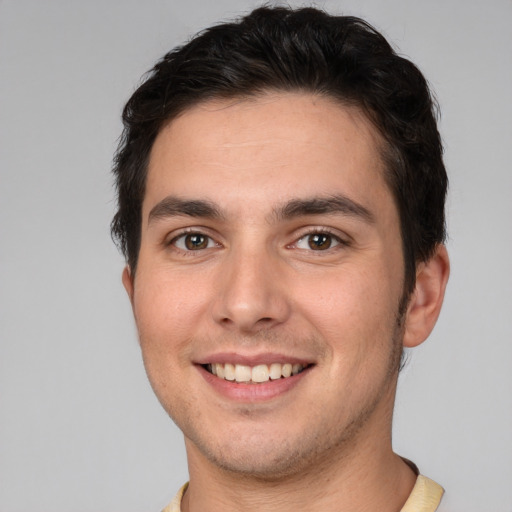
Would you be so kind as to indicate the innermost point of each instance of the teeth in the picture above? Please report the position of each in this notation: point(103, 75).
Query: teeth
point(242, 373)
point(260, 373)
point(287, 370)
point(275, 371)
point(255, 374)
point(229, 371)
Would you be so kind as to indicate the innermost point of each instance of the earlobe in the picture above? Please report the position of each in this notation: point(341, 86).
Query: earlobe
point(427, 298)
point(128, 282)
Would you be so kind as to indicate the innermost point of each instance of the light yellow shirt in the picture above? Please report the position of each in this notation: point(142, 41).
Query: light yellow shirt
point(425, 497)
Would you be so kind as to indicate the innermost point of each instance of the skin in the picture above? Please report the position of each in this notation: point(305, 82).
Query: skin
point(256, 286)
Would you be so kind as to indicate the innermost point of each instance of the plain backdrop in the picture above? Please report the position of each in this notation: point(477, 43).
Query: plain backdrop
point(80, 429)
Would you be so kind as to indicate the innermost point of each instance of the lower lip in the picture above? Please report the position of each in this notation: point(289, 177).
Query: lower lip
point(260, 392)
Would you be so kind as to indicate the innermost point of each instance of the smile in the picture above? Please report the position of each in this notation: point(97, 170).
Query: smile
point(254, 374)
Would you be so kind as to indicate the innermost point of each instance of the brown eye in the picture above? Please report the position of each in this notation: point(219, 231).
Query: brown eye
point(320, 241)
point(193, 242)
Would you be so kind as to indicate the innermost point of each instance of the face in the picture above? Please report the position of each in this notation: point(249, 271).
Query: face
point(268, 282)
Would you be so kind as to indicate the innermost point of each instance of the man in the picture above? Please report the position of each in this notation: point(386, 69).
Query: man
point(281, 209)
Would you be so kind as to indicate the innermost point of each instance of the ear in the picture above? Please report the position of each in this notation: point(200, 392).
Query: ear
point(427, 298)
point(127, 279)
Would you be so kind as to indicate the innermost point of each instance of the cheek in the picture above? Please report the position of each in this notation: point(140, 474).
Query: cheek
point(162, 338)
point(162, 314)
point(354, 311)
point(349, 294)
point(165, 304)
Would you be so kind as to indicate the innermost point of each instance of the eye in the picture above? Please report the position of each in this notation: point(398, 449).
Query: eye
point(318, 242)
point(193, 242)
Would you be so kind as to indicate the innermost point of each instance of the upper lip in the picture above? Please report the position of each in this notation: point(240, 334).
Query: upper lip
point(251, 359)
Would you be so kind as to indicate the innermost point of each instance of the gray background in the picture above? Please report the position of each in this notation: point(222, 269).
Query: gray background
point(79, 426)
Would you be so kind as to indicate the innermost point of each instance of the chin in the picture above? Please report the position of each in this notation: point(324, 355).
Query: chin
point(258, 465)
point(261, 456)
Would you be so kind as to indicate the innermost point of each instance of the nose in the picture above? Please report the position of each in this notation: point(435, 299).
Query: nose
point(252, 292)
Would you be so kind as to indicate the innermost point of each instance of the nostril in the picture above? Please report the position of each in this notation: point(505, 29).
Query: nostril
point(265, 322)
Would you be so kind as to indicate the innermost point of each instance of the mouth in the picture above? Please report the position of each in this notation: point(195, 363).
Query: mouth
point(258, 374)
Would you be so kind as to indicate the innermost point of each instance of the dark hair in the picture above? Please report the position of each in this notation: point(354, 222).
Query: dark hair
point(282, 49)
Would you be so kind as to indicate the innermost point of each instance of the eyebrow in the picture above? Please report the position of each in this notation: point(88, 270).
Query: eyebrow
point(335, 204)
point(172, 206)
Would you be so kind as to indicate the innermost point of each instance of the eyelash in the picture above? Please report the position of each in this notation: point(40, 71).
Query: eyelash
point(313, 231)
point(321, 231)
point(188, 232)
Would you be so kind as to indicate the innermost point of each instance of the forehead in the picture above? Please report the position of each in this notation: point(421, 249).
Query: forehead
point(268, 148)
